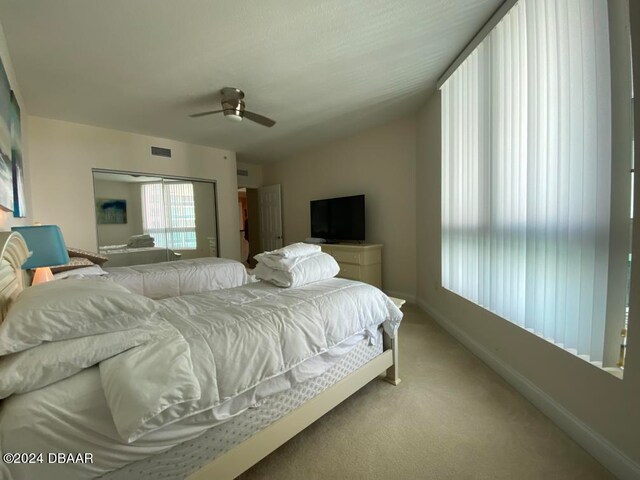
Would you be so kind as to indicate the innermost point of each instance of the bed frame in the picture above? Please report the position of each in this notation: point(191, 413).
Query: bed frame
point(246, 454)
point(13, 253)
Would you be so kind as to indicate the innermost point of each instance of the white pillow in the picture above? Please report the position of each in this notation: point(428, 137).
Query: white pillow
point(74, 308)
point(50, 362)
point(296, 250)
point(92, 271)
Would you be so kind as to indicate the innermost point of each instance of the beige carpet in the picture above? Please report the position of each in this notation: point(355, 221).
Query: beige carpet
point(450, 418)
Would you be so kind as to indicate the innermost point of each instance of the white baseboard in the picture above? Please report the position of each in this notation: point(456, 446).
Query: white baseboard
point(409, 297)
point(602, 449)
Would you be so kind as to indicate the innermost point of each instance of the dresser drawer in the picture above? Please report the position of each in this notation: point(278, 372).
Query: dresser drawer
point(361, 262)
point(342, 256)
point(354, 254)
point(349, 271)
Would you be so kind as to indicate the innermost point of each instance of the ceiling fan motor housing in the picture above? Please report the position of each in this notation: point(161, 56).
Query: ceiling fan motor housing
point(233, 109)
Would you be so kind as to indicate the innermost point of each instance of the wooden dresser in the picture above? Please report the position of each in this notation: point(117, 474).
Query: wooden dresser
point(362, 262)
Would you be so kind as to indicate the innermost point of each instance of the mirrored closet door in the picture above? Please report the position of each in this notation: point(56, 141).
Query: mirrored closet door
point(142, 218)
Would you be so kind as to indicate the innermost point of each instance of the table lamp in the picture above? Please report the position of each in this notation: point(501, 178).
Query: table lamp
point(46, 244)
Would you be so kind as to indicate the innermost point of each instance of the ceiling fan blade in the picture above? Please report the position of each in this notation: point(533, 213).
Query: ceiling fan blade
point(203, 114)
point(267, 122)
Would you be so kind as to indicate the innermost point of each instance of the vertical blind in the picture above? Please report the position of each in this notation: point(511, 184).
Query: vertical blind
point(526, 172)
point(168, 214)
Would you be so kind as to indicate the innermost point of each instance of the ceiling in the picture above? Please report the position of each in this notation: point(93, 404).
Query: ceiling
point(324, 69)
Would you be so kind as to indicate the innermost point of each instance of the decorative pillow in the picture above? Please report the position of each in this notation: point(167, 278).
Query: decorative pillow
point(74, 262)
point(50, 362)
point(74, 308)
point(94, 257)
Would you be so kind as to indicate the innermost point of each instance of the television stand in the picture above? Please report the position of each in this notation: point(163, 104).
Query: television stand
point(343, 242)
point(362, 262)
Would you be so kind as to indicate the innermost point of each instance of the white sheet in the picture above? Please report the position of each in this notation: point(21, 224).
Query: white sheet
point(73, 416)
point(181, 277)
point(239, 338)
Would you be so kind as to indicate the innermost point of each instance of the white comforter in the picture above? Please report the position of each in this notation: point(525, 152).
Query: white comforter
point(243, 344)
point(180, 277)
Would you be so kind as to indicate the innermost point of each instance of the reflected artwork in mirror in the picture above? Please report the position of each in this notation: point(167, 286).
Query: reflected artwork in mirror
point(143, 218)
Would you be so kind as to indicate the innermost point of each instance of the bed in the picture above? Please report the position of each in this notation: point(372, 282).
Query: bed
point(122, 256)
point(180, 277)
point(70, 415)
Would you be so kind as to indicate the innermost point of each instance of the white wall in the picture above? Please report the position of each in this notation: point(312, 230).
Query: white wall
point(62, 155)
point(6, 218)
point(379, 163)
point(254, 177)
point(606, 405)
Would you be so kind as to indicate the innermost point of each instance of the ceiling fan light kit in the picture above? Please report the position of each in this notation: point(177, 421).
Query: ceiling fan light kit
point(233, 108)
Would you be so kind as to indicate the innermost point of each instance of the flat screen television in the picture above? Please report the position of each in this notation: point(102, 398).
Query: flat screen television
point(338, 219)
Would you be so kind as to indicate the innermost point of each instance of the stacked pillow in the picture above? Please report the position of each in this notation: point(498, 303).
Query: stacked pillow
point(295, 265)
point(56, 329)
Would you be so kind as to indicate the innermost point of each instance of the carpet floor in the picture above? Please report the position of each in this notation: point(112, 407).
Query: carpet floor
point(451, 418)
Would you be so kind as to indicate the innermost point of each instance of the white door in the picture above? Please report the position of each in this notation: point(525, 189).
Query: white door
point(270, 217)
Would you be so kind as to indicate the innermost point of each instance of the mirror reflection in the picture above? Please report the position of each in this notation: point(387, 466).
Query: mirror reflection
point(144, 219)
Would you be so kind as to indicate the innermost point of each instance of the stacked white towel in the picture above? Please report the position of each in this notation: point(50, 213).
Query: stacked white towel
point(295, 265)
point(140, 241)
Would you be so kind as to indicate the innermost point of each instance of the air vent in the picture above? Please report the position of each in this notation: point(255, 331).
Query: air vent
point(161, 152)
point(243, 173)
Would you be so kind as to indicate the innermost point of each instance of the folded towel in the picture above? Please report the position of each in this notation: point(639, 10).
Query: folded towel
point(313, 268)
point(296, 250)
point(140, 241)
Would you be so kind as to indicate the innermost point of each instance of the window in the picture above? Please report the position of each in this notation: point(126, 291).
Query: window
point(168, 214)
point(528, 181)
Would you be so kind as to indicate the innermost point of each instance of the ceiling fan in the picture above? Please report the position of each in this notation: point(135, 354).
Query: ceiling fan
point(233, 108)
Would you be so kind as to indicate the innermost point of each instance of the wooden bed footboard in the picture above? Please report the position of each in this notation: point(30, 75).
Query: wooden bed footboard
point(391, 345)
point(246, 454)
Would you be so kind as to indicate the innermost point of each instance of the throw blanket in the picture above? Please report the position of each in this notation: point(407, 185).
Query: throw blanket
point(229, 342)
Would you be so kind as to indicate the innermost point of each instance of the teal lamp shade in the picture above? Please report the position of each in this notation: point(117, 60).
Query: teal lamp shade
point(46, 244)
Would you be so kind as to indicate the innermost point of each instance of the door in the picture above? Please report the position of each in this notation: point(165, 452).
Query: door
point(270, 205)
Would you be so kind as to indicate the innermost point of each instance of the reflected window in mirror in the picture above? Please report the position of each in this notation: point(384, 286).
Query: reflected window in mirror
point(142, 218)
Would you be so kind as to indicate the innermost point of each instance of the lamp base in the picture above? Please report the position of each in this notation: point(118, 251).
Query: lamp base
point(42, 275)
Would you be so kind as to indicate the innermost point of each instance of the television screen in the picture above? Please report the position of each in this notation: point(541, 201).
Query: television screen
point(338, 218)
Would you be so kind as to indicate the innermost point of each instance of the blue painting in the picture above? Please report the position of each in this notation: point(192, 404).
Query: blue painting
point(19, 197)
point(6, 169)
point(110, 211)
